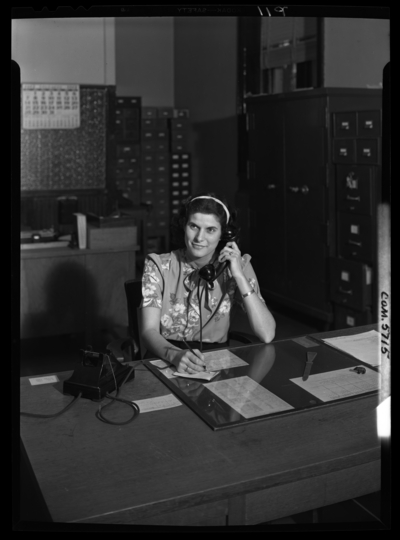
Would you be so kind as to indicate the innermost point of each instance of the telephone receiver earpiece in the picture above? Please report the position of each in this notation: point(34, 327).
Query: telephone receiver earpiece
point(210, 272)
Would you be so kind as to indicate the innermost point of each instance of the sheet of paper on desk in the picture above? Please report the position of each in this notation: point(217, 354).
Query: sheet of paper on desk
point(364, 346)
point(339, 384)
point(157, 403)
point(222, 359)
point(168, 372)
point(171, 373)
point(248, 397)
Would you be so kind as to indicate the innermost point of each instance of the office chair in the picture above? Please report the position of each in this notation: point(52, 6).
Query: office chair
point(131, 347)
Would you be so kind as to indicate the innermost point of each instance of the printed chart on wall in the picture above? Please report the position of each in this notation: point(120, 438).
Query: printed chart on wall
point(63, 136)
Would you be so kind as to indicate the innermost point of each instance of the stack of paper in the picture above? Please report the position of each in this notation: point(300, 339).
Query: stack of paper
point(364, 347)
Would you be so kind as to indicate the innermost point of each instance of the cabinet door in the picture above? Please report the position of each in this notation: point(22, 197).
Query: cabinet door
point(104, 293)
point(266, 184)
point(52, 296)
point(306, 202)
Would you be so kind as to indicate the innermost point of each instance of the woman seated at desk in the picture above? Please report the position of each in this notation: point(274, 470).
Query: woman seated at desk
point(175, 284)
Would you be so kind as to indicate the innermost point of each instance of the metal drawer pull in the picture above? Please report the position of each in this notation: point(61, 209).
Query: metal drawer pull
point(366, 152)
point(349, 198)
point(305, 190)
point(351, 181)
point(355, 243)
point(344, 291)
point(295, 189)
point(343, 151)
point(345, 125)
point(368, 124)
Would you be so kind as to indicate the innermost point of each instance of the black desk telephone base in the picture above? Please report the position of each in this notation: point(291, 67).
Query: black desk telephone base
point(96, 375)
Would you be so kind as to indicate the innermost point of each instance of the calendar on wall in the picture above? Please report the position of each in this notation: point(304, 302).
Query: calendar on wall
point(49, 106)
point(64, 149)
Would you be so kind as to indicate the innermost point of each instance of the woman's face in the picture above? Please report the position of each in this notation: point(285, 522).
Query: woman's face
point(202, 234)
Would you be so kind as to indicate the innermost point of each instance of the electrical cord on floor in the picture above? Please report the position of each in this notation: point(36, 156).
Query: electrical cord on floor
point(75, 400)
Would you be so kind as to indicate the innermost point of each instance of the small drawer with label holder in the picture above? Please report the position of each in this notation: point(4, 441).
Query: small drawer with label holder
point(369, 124)
point(345, 317)
point(355, 188)
point(344, 151)
point(134, 102)
point(165, 112)
point(350, 283)
point(179, 124)
point(179, 146)
point(355, 237)
point(148, 158)
point(149, 112)
point(128, 150)
point(367, 151)
point(345, 124)
point(162, 158)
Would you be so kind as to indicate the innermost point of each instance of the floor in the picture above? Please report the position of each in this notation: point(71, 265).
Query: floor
point(62, 352)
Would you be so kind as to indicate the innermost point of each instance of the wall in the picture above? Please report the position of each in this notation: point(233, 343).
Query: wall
point(144, 59)
point(355, 52)
point(77, 50)
point(205, 51)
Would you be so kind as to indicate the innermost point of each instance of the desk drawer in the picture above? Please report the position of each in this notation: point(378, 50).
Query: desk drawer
point(355, 237)
point(350, 283)
point(354, 188)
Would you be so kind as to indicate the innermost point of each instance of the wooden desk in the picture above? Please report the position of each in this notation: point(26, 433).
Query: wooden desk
point(169, 468)
point(67, 290)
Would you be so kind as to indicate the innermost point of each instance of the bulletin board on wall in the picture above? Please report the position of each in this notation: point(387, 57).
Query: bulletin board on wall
point(63, 137)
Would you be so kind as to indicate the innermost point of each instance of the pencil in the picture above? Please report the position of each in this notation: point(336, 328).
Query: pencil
point(190, 348)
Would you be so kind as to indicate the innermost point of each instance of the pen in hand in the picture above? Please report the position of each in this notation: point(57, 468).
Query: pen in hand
point(191, 350)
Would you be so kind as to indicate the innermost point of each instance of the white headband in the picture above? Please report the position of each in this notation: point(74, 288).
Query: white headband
point(218, 201)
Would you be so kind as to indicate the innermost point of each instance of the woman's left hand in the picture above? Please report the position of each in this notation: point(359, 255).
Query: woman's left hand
point(232, 254)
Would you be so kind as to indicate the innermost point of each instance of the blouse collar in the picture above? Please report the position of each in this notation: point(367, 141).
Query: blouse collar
point(191, 264)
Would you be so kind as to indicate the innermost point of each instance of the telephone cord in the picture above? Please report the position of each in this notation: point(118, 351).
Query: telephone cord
point(132, 404)
point(76, 398)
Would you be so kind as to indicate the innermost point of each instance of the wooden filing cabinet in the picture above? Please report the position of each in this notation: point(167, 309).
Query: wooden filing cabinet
point(313, 176)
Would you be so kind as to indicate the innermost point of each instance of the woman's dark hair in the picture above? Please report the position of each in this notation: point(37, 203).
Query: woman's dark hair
point(203, 206)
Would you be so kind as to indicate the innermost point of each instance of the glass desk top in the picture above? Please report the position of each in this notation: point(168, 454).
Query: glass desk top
point(262, 381)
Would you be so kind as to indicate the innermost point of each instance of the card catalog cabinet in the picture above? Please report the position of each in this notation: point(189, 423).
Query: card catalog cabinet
point(313, 182)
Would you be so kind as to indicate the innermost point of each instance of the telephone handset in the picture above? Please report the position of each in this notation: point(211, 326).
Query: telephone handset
point(210, 272)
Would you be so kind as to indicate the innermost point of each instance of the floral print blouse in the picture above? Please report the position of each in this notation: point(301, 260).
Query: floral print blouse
point(170, 283)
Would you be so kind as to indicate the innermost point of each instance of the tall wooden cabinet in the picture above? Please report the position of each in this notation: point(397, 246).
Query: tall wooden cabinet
point(304, 148)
